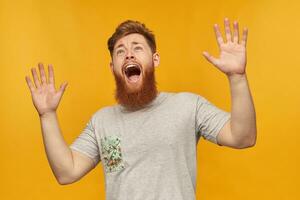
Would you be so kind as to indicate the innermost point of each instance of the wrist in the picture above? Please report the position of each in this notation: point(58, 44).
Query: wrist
point(47, 114)
point(237, 77)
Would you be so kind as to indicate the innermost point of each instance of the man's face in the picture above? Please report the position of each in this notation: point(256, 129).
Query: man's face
point(132, 57)
point(133, 67)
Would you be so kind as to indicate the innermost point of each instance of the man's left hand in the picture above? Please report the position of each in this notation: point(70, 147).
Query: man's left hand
point(232, 59)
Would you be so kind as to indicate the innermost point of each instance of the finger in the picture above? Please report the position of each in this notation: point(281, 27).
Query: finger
point(42, 73)
point(235, 32)
point(210, 58)
point(245, 35)
point(51, 74)
point(30, 84)
point(35, 78)
point(218, 35)
point(227, 29)
point(63, 87)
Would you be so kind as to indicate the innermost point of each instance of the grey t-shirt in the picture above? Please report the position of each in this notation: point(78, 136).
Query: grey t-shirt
point(150, 154)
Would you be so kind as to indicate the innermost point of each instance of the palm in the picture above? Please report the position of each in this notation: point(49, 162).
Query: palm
point(44, 96)
point(232, 58)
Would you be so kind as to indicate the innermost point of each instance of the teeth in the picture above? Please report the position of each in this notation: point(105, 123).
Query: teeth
point(131, 65)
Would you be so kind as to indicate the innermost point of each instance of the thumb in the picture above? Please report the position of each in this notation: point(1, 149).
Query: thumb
point(210, 58)
point(63, 87)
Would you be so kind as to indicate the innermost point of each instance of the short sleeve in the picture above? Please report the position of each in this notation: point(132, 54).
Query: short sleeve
point(209, 119)
point(87, 144)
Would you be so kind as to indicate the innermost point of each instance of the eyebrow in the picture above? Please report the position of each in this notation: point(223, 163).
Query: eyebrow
point(122, 45)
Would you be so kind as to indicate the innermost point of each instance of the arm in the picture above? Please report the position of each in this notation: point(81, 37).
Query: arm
point(240, 130)
point(67, 166)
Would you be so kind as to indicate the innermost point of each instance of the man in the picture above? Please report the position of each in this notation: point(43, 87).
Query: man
point(147, 142)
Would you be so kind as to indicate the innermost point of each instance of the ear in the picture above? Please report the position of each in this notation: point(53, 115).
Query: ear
point(156, 59)
point(111, 66)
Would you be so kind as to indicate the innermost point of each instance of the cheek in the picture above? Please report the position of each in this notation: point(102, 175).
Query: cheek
point(149, 62)
point(146, 59)
point(117, 65)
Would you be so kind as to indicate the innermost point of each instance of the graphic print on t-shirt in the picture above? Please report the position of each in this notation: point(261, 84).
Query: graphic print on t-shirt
point(112, 155)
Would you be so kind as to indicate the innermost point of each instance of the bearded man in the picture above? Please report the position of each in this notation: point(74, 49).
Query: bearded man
point(147, 142)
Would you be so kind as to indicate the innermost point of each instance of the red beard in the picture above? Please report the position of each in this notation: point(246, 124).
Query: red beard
point(134, 100)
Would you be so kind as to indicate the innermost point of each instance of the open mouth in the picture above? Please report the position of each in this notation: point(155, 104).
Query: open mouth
point(132, 72)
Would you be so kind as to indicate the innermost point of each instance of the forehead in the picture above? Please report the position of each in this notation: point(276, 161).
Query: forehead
point(131, 39)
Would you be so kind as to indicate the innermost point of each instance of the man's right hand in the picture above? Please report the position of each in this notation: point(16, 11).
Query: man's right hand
point(44, 95)
point(67, 165)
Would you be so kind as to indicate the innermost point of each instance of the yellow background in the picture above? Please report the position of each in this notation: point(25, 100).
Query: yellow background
point(72, 35)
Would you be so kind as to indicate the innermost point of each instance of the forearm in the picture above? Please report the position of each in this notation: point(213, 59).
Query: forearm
point(58, 153)
point(243, 117)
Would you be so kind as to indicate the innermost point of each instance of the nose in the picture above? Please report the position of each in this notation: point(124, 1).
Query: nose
point(129, 55)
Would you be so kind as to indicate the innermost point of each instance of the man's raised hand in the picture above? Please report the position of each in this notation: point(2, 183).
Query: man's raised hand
point(232, 59)
point(44, 95)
